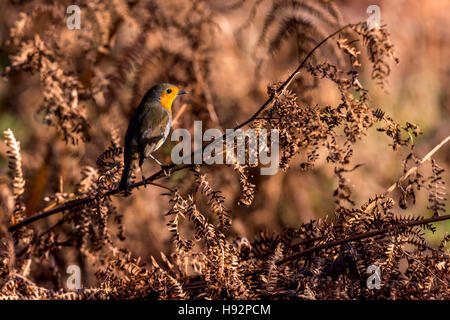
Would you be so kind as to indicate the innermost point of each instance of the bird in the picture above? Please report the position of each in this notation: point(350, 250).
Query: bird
point(148, 128)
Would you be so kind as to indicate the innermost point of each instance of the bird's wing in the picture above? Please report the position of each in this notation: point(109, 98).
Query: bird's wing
point(153, 128)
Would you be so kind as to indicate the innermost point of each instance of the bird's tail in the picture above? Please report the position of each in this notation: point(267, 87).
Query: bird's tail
point(126, 176)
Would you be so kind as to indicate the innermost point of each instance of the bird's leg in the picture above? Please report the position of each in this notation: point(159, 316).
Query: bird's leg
point(141, 163)
point(165, 167)
point(162, 165)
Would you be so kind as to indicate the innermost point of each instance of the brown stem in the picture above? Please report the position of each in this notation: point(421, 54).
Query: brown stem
point(359, 237)
point(409, 172)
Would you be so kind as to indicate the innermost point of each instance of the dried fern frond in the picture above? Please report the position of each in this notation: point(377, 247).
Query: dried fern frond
point(272, 273)
point(247, 187)
point(305, 21)
point(379, 47)
point(18, 181)
point(437, 189)
point(215, 199)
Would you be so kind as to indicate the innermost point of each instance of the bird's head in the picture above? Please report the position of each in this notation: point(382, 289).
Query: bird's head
point(166, 93)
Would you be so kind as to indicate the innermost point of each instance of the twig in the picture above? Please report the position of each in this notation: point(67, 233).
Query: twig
point(409, 172)
point(80, 202)
point(360, 237)
point(179, 113)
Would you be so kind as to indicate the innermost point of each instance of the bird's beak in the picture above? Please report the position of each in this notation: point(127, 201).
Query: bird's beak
point(181, 92)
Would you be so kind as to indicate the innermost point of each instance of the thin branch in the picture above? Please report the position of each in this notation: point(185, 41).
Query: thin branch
point(409, 172)
point(80, 202)
point(360, 237)
point(179, 113)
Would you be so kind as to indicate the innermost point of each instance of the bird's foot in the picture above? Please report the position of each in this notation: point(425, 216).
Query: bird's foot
point(166, 169)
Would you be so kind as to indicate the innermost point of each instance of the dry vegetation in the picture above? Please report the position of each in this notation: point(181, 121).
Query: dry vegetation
point(221, 231)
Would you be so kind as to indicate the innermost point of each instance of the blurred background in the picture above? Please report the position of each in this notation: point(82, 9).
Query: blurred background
point(212, 49)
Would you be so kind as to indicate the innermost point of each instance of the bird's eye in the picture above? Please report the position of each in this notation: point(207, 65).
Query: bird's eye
point(169, 90)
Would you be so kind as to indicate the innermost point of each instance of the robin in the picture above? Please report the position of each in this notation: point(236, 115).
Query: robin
point(148, 128)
